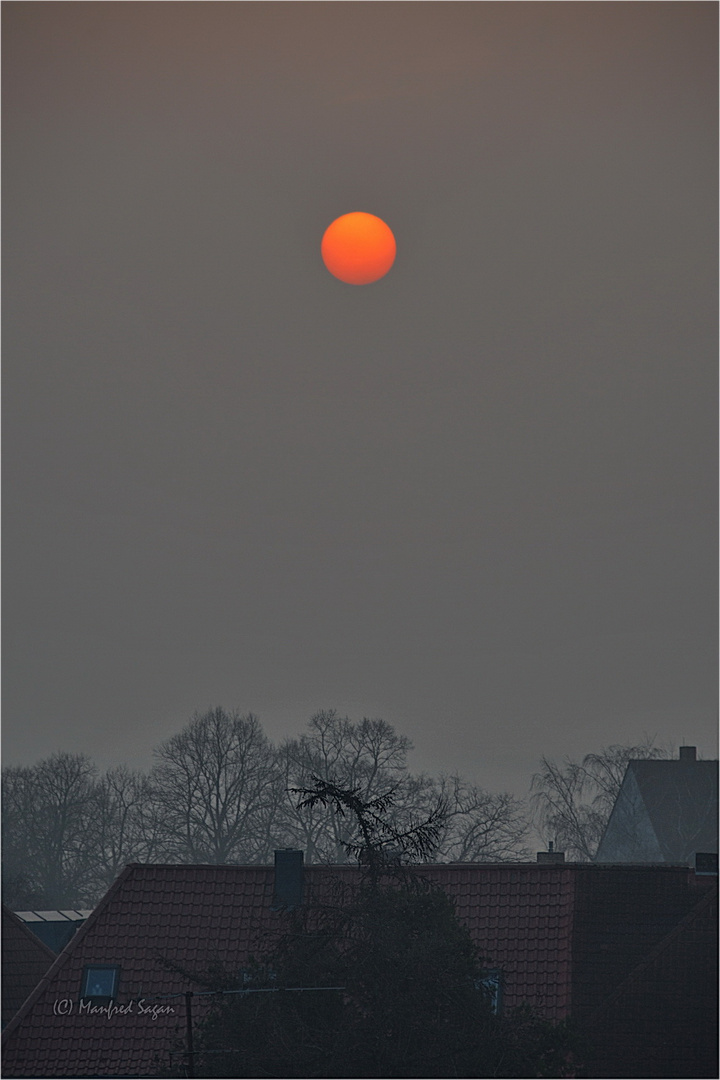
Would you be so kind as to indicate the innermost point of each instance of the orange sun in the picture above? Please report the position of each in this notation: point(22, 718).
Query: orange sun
point(358, 248)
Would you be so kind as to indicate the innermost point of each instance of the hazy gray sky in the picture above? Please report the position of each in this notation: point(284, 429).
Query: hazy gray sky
point(476, 498)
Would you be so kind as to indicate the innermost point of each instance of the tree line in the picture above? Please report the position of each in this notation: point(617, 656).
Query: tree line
point(220, 791)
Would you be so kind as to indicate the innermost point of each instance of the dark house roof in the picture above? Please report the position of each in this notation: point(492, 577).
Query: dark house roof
point(24, 962)
point(564, 936)
point(672, 980)
point(666, 811)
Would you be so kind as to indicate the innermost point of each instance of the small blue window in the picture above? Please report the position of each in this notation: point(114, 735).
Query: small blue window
point(100, 981)
point(491, 983)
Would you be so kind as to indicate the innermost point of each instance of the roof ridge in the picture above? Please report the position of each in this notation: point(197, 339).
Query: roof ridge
point(207, 866)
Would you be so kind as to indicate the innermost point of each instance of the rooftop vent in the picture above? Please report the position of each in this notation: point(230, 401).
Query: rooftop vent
point(688, 753)
point(288, 888)
point(550, 856)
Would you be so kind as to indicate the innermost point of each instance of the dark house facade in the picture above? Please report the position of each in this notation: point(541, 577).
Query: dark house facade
point(571, 940)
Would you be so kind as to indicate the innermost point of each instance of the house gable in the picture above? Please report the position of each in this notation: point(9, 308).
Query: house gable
point(666, 811)
point(629, 834)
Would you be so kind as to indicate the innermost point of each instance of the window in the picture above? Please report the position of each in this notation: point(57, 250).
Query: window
point(491, 983)
point(256, 978)
point(100, 981)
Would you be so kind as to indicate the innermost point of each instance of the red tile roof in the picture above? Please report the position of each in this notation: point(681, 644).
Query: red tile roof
point(521, 918)
point(524, 918)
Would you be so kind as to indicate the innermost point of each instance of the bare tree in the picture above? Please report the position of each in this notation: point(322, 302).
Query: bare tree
point(368, 752)
point(21, 887)
point(479, 826)
point(216, 786)
point(49, 832)
point(573, 800)
point(126, 828)
point(368, 756)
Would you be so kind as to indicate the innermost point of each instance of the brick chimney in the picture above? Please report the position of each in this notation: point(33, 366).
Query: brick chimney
point(288, 885)
point(550, 856)
point(688, 753)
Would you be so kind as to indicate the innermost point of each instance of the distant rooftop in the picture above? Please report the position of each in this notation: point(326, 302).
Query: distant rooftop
point(666, 811)
point(54, 928)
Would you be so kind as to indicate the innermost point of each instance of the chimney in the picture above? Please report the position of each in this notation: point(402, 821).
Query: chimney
point(706, 863)
point(688, 753)
point(551, 856)
point(288, 887)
